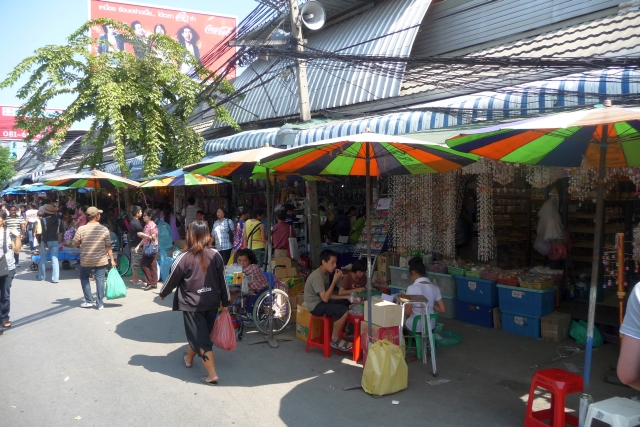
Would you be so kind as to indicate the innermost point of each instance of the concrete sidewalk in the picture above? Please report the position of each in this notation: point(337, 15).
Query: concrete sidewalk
point(123, 367)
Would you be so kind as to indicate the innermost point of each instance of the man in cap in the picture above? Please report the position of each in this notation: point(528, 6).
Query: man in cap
point(96, 245)
point(16, 222)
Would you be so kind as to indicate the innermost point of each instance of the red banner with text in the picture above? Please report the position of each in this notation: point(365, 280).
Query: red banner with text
point(8, 122)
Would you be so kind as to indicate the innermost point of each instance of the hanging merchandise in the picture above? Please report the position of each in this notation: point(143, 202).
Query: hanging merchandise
point(549, 228)
point(636, 244)
point(486, 246)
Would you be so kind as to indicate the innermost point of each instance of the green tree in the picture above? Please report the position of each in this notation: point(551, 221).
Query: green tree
point(141, 102)
point(7, 170)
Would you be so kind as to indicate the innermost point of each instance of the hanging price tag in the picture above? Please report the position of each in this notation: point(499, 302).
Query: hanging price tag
point(517, 294)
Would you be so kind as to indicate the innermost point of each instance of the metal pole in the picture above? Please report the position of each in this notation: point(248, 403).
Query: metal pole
point(301, 67)
point(368, 219)
point(621, 279)
point(595, 266)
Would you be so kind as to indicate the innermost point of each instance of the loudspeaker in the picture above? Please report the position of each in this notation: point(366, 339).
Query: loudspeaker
point(312, 15)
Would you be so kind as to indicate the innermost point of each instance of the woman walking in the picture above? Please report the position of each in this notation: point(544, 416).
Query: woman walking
point(149, 245)
point(198, 273)
point(9, 241)
point(223, 233)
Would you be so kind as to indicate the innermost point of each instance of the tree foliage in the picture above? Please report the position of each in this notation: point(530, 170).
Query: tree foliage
point(7, 170)
point(141, 102)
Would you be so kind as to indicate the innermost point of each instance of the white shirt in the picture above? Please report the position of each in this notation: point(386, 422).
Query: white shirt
point(190, 214)
point(631, 323)
point(431, 292)
point(32, 215)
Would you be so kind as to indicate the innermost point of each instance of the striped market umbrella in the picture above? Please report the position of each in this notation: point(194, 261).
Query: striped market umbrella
point(183, 178)
point(368, 154)
point(606, 137)
point(95, 179)
point(241, 164)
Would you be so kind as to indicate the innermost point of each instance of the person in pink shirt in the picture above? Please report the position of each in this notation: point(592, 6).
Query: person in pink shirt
point(81, 217)
point(281, 233)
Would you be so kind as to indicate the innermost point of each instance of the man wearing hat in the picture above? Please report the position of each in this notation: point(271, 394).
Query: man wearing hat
point(96, 245)
point(50, 226)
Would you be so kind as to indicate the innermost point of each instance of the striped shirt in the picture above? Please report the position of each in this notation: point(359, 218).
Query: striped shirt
point(15, 222)
point(95, 240)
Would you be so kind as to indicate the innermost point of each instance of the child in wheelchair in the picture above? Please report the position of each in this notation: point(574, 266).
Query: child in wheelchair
point(256, 280)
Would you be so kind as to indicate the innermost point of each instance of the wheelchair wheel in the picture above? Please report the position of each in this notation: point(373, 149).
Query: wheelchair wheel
point(281, 311)
point(34, 266)
point(122, 264)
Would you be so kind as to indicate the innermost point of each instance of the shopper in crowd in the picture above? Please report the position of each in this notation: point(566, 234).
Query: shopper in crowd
point(356, 280)
point(189, 212)
point(198, 272)
point(10, 242)
point(352, 212)
point(81, 217)
point(200, 215)
point(136, 230)
point(223, 233)
point(254, 237)
point(291, 216)
point(23, 212)
point(422, 286)
point(32, 217)
point(280, 236)
point(95, 253)
point(149, 248)
point(243, 216)
point(50, 226)
point(358, 226)
point(170, 218)
point(629, 361)
point(16, 222)
point(321, 301)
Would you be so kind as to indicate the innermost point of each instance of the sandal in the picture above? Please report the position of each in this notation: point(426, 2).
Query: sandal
point(204, 380)
point(347, 346)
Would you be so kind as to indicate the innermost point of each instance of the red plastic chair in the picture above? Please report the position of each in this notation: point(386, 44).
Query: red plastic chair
point(559, 383)
point(355, 351)
point(324, 340)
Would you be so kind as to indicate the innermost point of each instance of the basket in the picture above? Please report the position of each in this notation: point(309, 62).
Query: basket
point(448, 338)
point(489, 275)
point(508, 282)
point(456, 271)
point(438, 268)
point(544, 284)
point(473, 274)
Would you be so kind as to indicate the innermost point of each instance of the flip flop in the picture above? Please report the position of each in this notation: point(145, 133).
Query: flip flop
point(204, 380)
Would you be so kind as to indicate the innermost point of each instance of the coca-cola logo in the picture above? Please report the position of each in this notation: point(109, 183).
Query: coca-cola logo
point(219, 31)
point(184, 17)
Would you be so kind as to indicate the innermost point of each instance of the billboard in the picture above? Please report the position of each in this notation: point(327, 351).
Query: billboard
point(8, 132)
point(198, 32)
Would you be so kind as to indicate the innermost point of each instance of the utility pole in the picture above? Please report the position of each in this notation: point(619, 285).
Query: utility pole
point(313, 220)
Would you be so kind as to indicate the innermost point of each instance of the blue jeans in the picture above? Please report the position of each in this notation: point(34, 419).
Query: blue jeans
point(86, 285)
point(5, 292)
point(31, 238)
point(55, 265)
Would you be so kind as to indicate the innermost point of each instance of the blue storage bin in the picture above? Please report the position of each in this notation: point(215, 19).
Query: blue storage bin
point(527, 326)
point(481, 315)
point(477, 291)
point(526, 302)
point(396, 289)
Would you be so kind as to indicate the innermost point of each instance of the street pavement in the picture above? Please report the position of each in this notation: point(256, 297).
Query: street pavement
point(63, 365)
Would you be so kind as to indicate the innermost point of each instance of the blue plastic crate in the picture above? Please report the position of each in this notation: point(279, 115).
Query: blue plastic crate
point(526, 302)
point(481, 315)
point(477, 291)
point(527, 326)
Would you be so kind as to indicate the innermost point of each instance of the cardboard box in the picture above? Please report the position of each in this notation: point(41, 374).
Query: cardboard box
point(384, 313)
point(295, 285)
point(555, 326)
point(387, 259)
point(286, 262)
point(295, 301)
point(391, 333)
point(282, 273)
point(303, 316)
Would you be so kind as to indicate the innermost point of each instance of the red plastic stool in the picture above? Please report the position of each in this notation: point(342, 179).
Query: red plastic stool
point(355, 351)
point(559, 383)
point(324, 340)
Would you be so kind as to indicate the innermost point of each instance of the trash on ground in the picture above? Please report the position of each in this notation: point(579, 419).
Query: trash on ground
point(571, 367)
point(66, 379)
point(78, 417)
point(437, 382)
point(395, 402)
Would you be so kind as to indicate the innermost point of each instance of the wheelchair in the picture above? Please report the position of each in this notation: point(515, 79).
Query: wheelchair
point(252, 310)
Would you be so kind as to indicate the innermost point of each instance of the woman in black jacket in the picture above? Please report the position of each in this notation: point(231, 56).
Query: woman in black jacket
point(198, 275)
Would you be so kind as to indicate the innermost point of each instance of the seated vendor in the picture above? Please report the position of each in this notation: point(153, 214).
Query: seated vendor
point(320, 300)
point(356, 280)
point(422, 286)
point(249, 262)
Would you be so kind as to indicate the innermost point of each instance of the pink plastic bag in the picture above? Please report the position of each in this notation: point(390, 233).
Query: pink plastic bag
point(223, 335)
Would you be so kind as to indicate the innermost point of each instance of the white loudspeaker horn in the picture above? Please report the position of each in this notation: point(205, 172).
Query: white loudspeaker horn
point(312, 15)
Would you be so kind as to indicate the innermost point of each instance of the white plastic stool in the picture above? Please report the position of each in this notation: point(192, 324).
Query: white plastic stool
point(617, 412)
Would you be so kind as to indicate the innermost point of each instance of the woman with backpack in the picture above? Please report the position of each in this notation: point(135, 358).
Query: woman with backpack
point(223, 233)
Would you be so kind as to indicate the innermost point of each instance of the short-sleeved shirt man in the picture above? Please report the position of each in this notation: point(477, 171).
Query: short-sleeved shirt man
point(134, 228)
point(190, 214)
point(316, 282)
point(281, 234)
point(95, 240)
point(15, 222)
point(349, 282)
point(431, 292)
point(631, 324)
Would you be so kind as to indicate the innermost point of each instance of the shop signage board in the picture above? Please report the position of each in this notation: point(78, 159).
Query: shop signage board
point(8, 131)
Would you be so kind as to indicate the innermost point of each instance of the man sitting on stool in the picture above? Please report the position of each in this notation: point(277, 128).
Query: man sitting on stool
point(320, 300)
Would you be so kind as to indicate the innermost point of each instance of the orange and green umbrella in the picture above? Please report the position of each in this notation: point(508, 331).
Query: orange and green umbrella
point(182, 178)
point(242, 164)
point(95, 179)
point(387, 155)
point(566, 139)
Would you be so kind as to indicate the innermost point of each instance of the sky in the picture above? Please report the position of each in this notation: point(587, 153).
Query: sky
point(30, 24)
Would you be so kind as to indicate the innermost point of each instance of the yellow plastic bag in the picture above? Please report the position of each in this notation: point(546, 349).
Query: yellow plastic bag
point(386, 371)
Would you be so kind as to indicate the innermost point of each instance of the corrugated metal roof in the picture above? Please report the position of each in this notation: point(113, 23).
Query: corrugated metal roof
point(606, 37)
point(330, 87)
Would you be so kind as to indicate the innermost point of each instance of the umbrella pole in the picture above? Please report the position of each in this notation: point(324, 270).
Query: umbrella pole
point(595, 265)
point(368, 222)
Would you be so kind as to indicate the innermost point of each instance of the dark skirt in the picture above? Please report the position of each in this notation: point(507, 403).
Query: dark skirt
point(198, 326)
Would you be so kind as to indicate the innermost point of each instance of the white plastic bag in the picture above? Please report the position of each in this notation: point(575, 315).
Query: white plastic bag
point(549, 221)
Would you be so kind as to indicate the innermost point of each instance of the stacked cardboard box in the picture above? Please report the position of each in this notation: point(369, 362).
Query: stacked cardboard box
point(555, 326)
point(295, 301)
point(386, 260)
point(303, 317)
point(295, 285)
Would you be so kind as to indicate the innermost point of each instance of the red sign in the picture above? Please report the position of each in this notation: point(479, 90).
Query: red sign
point(8, 122)
point(198, 32)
